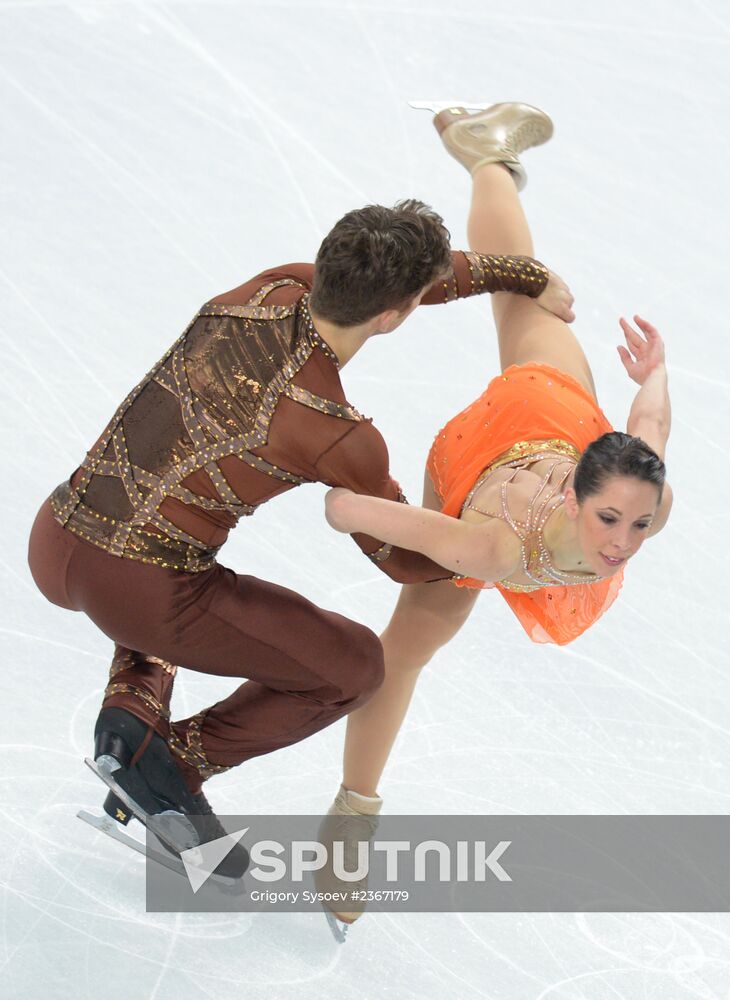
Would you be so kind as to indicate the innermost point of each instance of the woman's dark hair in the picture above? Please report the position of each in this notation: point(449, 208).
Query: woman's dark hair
point(616, 454)
point(376, 259)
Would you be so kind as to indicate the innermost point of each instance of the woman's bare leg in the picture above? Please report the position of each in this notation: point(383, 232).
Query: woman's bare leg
point(526, 332)
point(428, 615)
point(425, 618)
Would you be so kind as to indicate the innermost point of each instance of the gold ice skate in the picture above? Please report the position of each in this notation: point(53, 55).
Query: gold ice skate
point(351, 819)
point(497, 134)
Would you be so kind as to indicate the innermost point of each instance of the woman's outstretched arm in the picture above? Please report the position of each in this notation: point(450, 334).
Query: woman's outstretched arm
point(650, 417)
point(484, 551)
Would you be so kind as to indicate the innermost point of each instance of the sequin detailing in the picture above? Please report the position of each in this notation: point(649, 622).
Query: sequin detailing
point(536, 560)
point(169, 668)
point(120, 687)
point(521, 275)
point(129, 659)
point(212, 395)
point(381, 554)
point(191, 750)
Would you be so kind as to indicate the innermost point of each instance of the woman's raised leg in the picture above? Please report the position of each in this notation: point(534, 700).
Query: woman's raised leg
point(526, 332)
point(425, 618)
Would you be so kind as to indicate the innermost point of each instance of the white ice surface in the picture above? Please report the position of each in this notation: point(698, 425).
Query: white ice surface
point(155, 154)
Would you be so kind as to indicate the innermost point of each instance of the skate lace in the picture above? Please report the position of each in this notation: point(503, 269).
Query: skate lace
point(213, 824)
point(522, 136)
point(203, 806)
point(235, 863)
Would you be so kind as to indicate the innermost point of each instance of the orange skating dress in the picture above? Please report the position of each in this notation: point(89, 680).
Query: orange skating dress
point(527, 411)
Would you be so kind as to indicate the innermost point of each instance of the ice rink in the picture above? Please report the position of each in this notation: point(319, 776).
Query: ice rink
point(153, 155)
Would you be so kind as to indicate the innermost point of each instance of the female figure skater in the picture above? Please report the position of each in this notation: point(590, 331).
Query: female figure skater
point(527, 490)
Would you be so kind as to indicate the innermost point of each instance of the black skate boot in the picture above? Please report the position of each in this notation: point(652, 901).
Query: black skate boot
point(152, 789)
point(114, 807)
point(210, 828)
point(205, 821)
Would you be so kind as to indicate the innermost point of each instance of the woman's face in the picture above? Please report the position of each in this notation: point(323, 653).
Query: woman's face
point(613, 523)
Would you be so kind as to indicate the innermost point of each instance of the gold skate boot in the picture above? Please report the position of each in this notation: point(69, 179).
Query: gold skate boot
point(352, 818)
point(496, 135)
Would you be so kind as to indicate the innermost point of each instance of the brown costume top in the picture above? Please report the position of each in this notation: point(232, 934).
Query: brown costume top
point(246, 404)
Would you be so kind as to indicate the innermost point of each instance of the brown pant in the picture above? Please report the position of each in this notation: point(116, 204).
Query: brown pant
point(306, 667)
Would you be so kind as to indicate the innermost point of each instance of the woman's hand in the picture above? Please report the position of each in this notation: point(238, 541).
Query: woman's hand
point(336, 503)
point(557, 298)
point(645, 353)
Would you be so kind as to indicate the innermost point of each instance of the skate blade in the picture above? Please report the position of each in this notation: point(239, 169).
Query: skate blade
point(104, 824)
point(437, 106)
point(338, 928)
point(172, 828)
point(107, 825)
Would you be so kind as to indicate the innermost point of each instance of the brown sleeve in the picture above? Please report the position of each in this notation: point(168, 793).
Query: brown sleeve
point(359, 461)
point(475, 273)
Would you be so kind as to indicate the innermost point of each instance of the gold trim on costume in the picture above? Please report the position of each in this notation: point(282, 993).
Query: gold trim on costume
point(206, 370)
point(526, 449)
point(536, 563)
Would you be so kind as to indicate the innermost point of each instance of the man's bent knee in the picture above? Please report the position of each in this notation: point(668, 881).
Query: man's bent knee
point(364, 671)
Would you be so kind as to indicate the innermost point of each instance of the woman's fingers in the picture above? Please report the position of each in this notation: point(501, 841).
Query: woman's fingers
point(642, 353)
point(650, 332)
point(625, 357)
point(647, 328)
point(628, 329)
point(626, 326)
point(652, 347)
point(653, 338)
point(633, 338)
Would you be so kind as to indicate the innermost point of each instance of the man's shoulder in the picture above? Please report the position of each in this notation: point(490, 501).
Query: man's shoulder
point(361, 441)
point(290, 282)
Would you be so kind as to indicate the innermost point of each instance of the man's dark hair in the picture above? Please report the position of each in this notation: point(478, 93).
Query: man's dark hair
point(376, 259)
point(616, 454)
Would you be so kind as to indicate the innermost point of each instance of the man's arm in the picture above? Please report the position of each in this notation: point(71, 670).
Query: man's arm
point(359, 462)
point(476, 273)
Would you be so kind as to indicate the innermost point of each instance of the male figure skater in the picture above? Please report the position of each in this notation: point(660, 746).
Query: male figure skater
point(245, 405)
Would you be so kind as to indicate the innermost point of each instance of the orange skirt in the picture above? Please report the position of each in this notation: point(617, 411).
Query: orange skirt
point(530, 402)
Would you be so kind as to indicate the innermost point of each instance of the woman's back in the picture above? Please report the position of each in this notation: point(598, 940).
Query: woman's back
point(523, 494)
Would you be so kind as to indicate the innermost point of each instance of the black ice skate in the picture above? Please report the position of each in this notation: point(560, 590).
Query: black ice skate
point(153, 790)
